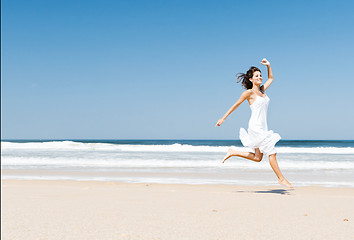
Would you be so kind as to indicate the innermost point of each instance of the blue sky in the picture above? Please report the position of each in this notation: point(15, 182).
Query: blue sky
point(165, 69)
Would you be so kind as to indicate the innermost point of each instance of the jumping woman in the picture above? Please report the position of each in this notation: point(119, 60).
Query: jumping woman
point(258, 137)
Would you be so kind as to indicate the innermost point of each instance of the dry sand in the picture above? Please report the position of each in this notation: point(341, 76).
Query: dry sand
point(34, 209)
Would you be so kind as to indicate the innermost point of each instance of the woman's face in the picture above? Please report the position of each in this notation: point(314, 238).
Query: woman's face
point(257, 78)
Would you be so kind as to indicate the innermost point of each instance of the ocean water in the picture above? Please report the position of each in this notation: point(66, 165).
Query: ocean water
point(303, 163)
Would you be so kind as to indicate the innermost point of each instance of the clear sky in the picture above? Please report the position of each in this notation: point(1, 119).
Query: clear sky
point(166, 69)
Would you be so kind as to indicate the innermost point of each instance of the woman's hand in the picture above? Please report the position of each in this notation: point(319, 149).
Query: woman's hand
point(265, 62)
point(221, 120)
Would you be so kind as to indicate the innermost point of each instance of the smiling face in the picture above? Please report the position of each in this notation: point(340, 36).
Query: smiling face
point(257, 78)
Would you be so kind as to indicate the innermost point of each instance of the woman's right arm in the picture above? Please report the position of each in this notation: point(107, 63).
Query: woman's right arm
point(243, 97)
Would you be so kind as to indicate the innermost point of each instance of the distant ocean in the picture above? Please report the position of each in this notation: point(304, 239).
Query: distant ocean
point(303, 163)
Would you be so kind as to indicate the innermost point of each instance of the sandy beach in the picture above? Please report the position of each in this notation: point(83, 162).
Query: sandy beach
point(39, 209)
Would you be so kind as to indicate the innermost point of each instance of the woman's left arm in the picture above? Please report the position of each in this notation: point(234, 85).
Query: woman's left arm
point(270, 74)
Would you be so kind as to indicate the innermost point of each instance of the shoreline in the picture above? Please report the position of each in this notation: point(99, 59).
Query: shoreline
point(240, 178)
point(108, 182)
point(66, 209)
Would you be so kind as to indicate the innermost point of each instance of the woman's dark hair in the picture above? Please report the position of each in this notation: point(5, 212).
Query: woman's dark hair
point(245, 78)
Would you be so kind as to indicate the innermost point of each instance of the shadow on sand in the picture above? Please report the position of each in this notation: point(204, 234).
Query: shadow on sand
point(271, 191)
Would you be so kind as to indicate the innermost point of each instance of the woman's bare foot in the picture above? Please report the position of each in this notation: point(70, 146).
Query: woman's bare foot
point(285, 183)
point(228, 155)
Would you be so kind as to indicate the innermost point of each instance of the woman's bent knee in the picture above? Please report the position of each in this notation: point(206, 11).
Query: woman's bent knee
point(258, 155)
point(258, 158)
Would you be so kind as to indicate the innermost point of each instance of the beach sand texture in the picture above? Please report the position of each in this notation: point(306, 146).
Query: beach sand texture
point(37, 209)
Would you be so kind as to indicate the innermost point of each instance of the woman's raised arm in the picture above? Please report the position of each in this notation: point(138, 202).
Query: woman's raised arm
point(243, 97)
point(270, 74)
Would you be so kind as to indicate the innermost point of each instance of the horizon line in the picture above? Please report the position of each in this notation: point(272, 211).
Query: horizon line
point(164, 139)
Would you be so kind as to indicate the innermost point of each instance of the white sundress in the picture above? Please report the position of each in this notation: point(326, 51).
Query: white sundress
point(258, 135)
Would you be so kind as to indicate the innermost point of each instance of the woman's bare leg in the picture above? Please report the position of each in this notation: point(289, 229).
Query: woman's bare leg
point(274, 164)
point(257, 156)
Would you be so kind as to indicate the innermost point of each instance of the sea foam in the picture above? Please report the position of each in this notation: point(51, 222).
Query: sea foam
point(176, 147)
